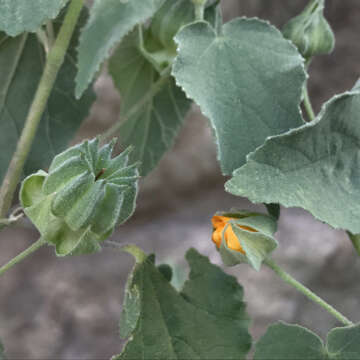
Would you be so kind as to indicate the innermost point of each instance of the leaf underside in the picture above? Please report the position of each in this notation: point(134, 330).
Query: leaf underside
point(153, 128)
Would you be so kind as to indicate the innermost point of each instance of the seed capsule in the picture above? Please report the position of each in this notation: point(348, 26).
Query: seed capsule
point(82, 198)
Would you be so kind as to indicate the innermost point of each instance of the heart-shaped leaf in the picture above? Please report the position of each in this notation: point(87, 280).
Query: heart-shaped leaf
point(247, 79)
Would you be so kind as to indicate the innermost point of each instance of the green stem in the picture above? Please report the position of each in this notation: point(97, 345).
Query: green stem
point(199, 12)
point(199, 9)
point(42, 37)
point(54, 61)
point(155, 88)
point(307, 292)
point(132, 249)
point(307, 104)
point(35, 246)
point(355, 239)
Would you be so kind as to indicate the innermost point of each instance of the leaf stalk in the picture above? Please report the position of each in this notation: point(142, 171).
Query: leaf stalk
point(307, 104)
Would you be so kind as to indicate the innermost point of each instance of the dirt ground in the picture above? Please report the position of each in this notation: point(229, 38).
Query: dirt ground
point(69, 308)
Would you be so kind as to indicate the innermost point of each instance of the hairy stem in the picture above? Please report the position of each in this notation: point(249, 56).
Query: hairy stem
point(134, 250)
point(307, 292)
point(54, 61)
point(155, 88)
point(199, 12)
point(35, 246)
point(199, 9)
point(307, 104)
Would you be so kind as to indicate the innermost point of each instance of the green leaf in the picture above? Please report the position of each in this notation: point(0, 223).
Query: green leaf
point(22, 63)
point(110, 21)
point(152, 128)
point(316, 167)
point(247, 80)
point(165, 324)
point(343, 343)
point(2, 352)
point(273, 210)
point(289, 342)
point(17, 16)
point(293, 342)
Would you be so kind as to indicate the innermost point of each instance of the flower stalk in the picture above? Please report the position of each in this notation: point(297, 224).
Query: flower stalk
point(32, 248)
point(307, 104)
point(199, 9)
point(307, 292)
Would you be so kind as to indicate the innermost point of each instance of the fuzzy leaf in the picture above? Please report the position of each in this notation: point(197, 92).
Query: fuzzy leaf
point(292, 342)
point(22, 63)
point(316, 167)
point(153, 128)
point(289, 342)
point(17, 16)
point(165, 324)
point(247, 80)
point(343, 343)
point(110, 21)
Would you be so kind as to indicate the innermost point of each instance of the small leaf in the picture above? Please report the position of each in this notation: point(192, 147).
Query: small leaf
point(110, 21)
point(289, 342)
point(343, 343)
point(292, 342)
point(247, 79)
point(165, 324)
point(316, 167)
point(153, 127)
point(22, 63)
point(17, 16)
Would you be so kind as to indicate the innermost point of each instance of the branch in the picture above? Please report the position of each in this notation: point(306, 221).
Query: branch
point(53, 63)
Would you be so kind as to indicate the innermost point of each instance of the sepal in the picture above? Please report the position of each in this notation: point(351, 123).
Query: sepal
point(310, 31)
point(83, 197)
point(246, 237)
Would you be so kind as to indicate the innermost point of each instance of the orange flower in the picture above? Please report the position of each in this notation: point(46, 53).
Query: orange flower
point(219, 223)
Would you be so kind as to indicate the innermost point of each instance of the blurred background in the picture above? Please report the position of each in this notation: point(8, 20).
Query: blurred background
point(69, 308)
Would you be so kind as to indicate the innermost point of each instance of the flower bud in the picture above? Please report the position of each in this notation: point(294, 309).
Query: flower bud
point(82, 198)
point(242, 236)
point(310, 31)
point(169, 19)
